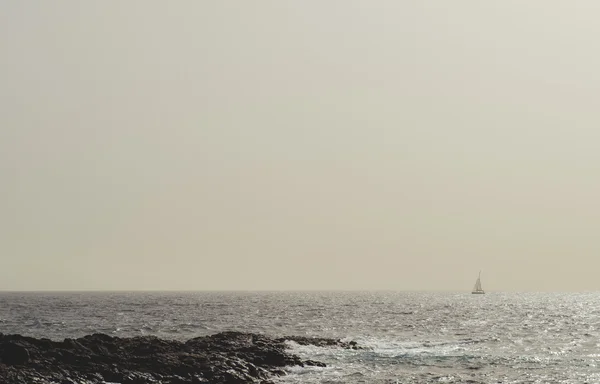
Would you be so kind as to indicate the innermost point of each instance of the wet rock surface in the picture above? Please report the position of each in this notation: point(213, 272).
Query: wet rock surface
point(228, 357)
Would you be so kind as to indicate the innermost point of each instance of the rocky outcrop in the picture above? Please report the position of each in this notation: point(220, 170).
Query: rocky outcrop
point(228, 357)
point(321, 342)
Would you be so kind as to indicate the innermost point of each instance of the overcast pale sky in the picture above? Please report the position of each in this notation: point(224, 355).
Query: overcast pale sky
point(344, 144)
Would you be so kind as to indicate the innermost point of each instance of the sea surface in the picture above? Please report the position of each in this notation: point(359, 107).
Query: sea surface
point(409, 337)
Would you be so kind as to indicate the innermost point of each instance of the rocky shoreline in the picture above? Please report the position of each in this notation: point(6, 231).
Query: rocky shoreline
point(227, 357)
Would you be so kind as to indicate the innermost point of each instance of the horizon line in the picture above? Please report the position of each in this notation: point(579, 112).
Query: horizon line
point(280, 290)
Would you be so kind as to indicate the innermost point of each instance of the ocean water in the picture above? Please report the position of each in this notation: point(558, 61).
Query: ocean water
point(408, 337)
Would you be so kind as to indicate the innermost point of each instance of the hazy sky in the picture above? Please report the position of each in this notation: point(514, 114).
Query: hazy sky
point(300, 144)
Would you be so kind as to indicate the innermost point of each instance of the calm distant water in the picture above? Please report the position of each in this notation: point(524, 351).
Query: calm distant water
point(410, 337)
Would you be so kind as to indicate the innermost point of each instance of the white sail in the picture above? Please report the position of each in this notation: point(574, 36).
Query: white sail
point(477, 286)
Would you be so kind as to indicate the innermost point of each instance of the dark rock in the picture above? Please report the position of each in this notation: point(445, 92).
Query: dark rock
point(313, 363)
point(14, 353)
point(321, 342)
point(228, 357)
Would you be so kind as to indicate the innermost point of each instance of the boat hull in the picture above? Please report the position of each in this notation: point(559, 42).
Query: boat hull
point(478, 292)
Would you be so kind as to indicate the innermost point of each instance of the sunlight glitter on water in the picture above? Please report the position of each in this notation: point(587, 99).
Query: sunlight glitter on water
point(409, 337)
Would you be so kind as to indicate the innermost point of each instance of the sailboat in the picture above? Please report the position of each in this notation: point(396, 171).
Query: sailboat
point(477, 290)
